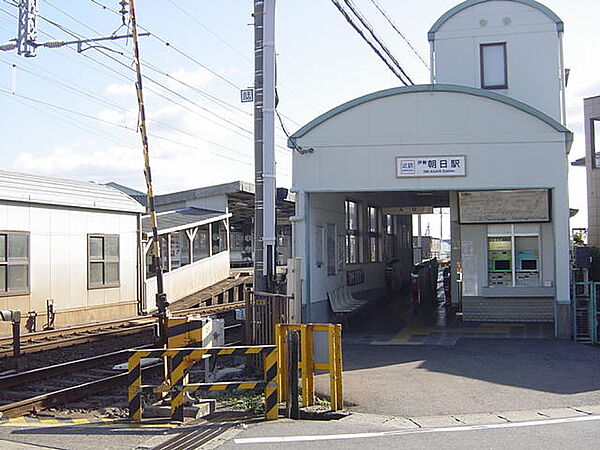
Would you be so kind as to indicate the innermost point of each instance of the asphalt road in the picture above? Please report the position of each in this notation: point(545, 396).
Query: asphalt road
point(574, 433)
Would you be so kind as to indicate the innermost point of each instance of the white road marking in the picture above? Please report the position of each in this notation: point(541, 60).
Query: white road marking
point(331, 437)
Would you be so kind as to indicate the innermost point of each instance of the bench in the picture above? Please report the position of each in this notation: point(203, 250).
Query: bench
point(343, 303)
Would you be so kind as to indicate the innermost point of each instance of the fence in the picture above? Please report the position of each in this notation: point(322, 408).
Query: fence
point(586, 311)
point(263, 311)
point(180, 359)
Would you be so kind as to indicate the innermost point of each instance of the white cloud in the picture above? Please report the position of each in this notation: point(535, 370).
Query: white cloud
point(120, 89)
point(195, 78)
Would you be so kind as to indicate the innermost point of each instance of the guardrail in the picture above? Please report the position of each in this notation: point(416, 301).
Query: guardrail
point(180, 359)
point(331, 361)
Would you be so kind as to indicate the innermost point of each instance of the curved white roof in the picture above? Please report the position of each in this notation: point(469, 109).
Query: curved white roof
point(21, 187)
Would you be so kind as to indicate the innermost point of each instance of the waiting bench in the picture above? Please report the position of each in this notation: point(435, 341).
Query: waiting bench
point(343, 303)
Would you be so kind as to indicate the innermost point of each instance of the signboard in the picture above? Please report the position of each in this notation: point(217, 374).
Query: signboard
point(247, 95)
point(408, 210)
point(431, 166)
point(531, 205)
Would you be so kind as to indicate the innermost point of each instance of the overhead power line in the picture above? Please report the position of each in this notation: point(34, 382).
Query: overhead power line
point(354, 25)
point(397, 29)
point(377, 39)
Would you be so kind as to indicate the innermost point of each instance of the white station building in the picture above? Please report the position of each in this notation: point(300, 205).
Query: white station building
point(486, 138)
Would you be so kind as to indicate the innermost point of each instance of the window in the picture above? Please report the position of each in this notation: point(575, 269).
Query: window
point(494, 72)
point(390, 236)
point(14, 263)
point(352, 232)
point(374, 236)
point(594, 140)
point(514, 255)
point(219, 237)
point(103, 261)
point(201, 248)
point(180, 249)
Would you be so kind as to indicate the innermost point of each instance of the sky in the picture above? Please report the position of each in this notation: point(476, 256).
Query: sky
point(73, 115)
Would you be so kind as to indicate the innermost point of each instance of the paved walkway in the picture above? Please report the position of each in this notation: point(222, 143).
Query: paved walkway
point(402, 364)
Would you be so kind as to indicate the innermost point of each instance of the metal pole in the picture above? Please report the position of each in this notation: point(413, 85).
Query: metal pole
point(264, 144)
point(161, 296)
point(292, 403)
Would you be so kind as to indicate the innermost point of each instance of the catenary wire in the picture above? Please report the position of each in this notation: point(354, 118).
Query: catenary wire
point(397, 29)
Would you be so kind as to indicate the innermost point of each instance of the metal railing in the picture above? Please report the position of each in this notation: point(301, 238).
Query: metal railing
point(264, 310)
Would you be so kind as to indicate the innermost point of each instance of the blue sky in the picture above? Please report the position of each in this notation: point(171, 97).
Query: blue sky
point(197, 141)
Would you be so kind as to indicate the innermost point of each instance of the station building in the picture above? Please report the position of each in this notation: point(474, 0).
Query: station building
point(486, 138)
point(68, 251)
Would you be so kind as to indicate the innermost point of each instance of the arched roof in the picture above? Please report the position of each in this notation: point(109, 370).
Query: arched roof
point(560, 26)
point(430, 88)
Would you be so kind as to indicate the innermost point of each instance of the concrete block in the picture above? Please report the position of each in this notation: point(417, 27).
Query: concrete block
point(436, 421)
point(198, 410)
point(479, 419)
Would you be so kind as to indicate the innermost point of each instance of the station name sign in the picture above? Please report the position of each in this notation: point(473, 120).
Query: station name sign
point(431, 166)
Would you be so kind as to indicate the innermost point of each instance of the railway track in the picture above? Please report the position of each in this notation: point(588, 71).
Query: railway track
point(38, 389)
point(63, 337)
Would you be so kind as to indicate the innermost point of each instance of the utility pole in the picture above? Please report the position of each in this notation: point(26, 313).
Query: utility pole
point(161, 296)
point(264, 145)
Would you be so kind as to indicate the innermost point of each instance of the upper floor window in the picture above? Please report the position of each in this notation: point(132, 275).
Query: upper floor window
point(494, 72)
point(14, 263)
point(103, 261)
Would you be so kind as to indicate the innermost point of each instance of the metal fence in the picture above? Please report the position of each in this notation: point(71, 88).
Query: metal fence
point(586, 311)
point(263, 311)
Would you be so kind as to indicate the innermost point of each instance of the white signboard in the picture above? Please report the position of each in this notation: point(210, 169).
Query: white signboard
point(430, 166)
point(247, 95)
point(530, 205)
point(408, 210)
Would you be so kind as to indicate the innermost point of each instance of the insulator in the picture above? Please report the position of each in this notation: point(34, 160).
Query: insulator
point(54, 44)
point(10, 45)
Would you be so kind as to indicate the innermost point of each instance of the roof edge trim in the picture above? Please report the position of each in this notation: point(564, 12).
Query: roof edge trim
point(429, 88)
point(560, 26)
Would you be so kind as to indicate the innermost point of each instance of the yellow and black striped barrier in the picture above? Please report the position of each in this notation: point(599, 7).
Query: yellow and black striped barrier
point(182, 358)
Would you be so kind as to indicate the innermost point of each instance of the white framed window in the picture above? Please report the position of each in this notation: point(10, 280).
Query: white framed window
point(353, 234)
point(14, 263)
point(494, 68)
point(103, 261)
point(514, 255)
point(373, 215)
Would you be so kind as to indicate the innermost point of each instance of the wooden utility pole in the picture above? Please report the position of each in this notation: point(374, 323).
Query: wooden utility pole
point(161, 296)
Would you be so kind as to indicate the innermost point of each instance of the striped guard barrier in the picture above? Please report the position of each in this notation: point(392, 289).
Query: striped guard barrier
point(181, 359)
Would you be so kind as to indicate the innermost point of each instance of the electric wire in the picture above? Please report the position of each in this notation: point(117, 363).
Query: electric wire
point(381, 44)
point(397, 29)
point(125, 127)
point(73, 34)
point(350, 21)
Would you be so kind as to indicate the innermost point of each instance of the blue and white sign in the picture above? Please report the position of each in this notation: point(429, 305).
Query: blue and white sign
point(247, 95)
point(431, 166)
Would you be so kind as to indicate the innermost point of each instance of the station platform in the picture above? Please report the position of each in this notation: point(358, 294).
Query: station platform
point(395, 320)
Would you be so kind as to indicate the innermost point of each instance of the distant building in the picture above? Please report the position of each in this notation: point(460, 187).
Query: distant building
point(591, 162)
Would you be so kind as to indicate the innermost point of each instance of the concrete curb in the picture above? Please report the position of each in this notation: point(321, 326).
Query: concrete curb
point(457, 420)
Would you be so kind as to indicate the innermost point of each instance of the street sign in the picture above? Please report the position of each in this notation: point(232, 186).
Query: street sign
point(247, 95)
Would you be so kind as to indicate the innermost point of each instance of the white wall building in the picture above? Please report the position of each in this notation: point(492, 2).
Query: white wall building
point(494, 151)
point(73, 244)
